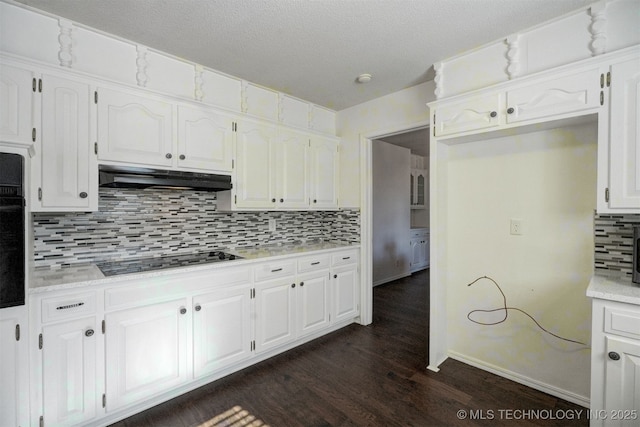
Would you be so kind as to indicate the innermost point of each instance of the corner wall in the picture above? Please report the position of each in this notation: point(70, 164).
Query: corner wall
point(397, 111)
point(546, 179)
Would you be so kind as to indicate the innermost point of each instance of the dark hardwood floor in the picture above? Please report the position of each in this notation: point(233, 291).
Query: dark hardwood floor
point(365, 376)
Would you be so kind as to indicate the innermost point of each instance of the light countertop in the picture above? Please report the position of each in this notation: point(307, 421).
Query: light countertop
point(614, 289)
point(47, 279)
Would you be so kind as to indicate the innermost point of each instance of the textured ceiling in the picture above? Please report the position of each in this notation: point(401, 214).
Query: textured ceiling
point(314, 49)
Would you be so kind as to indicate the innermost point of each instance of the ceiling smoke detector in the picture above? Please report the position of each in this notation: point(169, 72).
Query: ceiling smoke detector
point(363, 78)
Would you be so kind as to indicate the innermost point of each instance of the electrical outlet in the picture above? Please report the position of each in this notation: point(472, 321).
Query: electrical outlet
point(272, 224)
point(517, 227)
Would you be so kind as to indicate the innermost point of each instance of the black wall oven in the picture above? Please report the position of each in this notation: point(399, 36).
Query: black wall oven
point(12, 230)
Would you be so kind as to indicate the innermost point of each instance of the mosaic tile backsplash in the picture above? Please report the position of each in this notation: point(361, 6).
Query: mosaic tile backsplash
point(614, 244)
point(153, 222)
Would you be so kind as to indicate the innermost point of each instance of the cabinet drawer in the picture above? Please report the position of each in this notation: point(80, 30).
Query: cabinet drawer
point(474, 113)
point(621, 322)
point(313, 263)
point(344, 258)
point(64, 307)
point(274, 270)
point(419, 233)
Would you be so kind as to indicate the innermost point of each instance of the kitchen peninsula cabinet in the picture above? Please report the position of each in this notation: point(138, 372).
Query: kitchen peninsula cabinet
point(18, 87)
point(615, 352)
point(64, 172)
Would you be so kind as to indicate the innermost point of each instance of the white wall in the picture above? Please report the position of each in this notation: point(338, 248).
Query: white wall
point(398, 111)
point(391, 212)
point(548, 180)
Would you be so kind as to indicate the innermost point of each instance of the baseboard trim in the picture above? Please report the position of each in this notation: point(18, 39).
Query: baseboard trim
point(390, 279)
point(522, 379)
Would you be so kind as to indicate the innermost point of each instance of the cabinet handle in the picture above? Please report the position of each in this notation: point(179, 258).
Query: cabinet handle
point(335, 276)
point(83, 195)
point(281, 200)
point(510, 110)
point(182, 157)
point(315, 263)
point(168, 155)
point(40, 194)
point(315, 201)
point(183, 310)
point(614, 356)
point(273, 200)
point(276, 270)
point(293, 285)
point(198, 307)
point(301, 283)
point(346, 257)
point(493, 114)
point(88, 333)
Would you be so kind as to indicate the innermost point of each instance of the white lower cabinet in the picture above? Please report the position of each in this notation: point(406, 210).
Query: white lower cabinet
point(70, 372)
point(419, 249)
point(14, 382)
point(162, 336)
point(615, 364)
point(146, 350)
point(221, 329)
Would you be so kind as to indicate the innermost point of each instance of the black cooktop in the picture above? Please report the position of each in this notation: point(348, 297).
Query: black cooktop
point(139, 265)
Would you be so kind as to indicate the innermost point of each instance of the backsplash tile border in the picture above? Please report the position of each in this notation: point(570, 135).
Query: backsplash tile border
point(153, 222)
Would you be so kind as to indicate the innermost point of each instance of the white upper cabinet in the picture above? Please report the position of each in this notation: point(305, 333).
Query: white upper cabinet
point(472, 114)
point(254, 185)
point(555, 96)
point(324, 168)
point(290, 169)
point(205, 139)
point(64, 168)
point(135, 129)
point(624, 137)
point(17, 87)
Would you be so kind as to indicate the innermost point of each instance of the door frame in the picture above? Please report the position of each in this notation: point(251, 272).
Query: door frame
point(366, 211)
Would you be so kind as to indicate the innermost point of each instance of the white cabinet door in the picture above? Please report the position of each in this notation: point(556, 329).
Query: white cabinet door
point(622, 381)
point(205, 140)
point(416, 260)
point(275, 313)
point(17, 87)
point(312, 302)
point(134, 128)
point(289, 168)
point(146, 350)
point(254, 186)
point(426, 254)
point(14, 364)
point(553, 97)
point(624, 136)
point(69, 372)
point(324, 170)
point(64, 169)
point(345, 293)
point(478, 113)
point(418, 188)
point(221, 329)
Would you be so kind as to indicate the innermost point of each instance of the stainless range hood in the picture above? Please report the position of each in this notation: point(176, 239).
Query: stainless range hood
point(136, 177)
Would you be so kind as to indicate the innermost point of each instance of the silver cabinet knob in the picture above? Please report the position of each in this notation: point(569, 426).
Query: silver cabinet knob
point(183, 310)
point(198, 307)
point(88, 333)
point(168, 155)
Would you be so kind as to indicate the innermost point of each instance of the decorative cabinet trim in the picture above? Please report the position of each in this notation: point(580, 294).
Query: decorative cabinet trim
point(141, 64)
point(65, 38)
point(598, 28)
point(198, 82)
point(513, 53)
